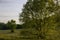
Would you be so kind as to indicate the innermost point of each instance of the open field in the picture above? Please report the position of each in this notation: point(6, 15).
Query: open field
point(22, 34)
point(7, 35)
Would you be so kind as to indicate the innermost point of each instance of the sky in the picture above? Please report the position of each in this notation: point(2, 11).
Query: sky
point(10, 9)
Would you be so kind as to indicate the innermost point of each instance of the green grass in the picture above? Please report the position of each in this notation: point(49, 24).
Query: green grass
point(7, 35)
point(26, 34)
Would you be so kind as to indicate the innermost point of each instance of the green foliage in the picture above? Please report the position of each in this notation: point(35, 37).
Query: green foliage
point(3, 26)
point(12, 25)
point(43, 15)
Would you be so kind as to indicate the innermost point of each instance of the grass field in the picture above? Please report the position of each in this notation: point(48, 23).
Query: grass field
point(7, 35)
point(23, 34)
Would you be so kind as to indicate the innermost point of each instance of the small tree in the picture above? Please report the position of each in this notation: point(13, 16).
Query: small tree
point(12, 25)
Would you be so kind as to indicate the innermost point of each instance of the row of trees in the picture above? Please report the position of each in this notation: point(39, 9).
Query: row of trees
point(43, 15)
point(10, 25)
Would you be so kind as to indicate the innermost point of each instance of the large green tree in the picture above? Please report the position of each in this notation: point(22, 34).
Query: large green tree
point(39, 14)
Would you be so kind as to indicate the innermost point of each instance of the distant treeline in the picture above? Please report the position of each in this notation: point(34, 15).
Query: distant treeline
point(4, 26)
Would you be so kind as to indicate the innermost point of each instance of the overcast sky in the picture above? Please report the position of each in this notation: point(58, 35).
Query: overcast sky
point(10, 9)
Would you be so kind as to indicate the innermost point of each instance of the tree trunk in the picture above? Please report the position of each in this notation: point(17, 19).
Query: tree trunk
point(12, 31)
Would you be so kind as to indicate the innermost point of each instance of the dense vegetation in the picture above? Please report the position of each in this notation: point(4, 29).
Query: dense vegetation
point(43, 16)
point(3, 26)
